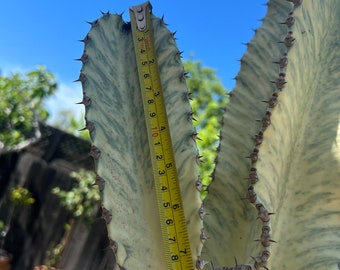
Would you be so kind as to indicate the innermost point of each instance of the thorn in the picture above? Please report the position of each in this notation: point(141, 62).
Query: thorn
point(86, 101)
point(199, 184)
point(184, 76)
point(191, 116)
point(265, 237)
point(189, 94)
point(251, 195)
point(100, 182)
point(105, 13)
point(261, 261)
point(84, 58)
point(173, 35)
point(202, 212)
point(280, 81)
point(113, 245)
point(163, 22)
point(288, 40)
point(253, 155)
point(95, 152)
point(198, 159)
point(253, 178)
point(179, 54)
point(283, 62)
point(263, 213)
point(272, 102)
point(203, 236)
point(88, 125)
point(106, 215)
point(94, 23)
point(266, 119)
point(290, 20)
point(200, 263)
point(194, 136)
point(258, 138)
point(82, 78)
point(85, 40)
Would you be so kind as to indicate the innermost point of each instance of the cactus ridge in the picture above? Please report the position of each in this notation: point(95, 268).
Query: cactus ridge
point(115, 120)
point(285, 90)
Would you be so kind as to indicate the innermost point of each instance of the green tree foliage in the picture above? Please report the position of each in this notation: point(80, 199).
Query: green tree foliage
point(82, 198)
point(208, 100)
point(67, 122)
point(21, 104)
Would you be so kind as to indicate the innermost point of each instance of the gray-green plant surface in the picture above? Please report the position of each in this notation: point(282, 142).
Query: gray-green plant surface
point(279, 156)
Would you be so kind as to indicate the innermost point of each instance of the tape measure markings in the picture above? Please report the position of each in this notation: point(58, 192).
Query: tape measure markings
point(173, 225)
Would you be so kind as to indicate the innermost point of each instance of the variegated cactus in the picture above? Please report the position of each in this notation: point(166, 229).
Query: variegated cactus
point(279, 149)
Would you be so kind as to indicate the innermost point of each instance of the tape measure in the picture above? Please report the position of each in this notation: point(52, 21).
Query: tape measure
point(173, 225)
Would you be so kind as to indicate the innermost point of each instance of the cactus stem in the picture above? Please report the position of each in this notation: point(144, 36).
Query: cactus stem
point(295, 2)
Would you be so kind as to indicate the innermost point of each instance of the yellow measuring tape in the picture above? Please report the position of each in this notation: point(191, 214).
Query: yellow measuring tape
point(173, 225)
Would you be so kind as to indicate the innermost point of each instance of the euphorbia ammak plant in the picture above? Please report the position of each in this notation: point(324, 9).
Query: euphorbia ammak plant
point(274, 199)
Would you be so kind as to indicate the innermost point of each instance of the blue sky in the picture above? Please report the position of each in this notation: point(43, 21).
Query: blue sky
point(41, 32)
